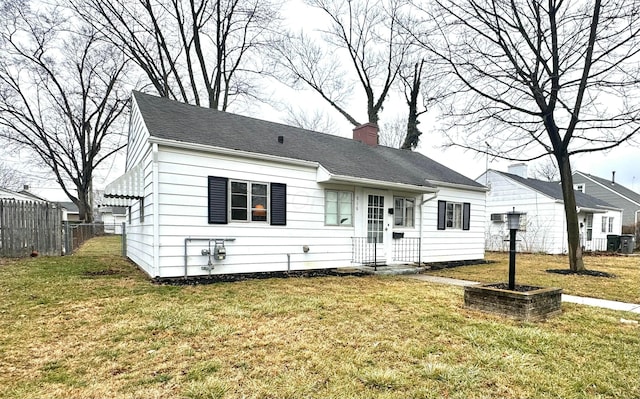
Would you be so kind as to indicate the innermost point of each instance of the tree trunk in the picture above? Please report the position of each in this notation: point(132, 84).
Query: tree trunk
point(85, 210)
point(573, 231)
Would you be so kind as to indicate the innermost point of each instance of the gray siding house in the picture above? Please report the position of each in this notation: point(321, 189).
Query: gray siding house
point(612, 193)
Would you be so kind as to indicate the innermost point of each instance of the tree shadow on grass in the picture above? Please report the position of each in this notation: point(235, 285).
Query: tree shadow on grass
point(590, 273)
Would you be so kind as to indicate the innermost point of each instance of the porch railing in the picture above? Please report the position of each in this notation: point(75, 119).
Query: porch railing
point(365, 251)
point(594, 245)
point(406, 250)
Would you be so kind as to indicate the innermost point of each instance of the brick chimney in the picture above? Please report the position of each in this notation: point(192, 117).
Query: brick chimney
point(367, 133)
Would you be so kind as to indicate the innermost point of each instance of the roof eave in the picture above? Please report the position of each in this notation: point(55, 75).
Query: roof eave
point(229, 151)
point(458, 185)
point(325, 176)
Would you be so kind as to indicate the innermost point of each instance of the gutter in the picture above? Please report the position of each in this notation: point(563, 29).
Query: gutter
point(457, 185)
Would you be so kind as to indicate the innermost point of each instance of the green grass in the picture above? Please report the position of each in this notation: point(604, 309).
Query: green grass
point(531, 269)
point(91, 326)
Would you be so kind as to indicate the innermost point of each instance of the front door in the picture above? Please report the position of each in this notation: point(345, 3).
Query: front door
point(377, 227)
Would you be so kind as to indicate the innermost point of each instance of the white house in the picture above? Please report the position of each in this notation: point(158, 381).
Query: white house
point(210, 192)
point(112, 217)
point(543, 225)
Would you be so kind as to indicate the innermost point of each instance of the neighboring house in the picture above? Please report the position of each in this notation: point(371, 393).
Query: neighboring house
point(10, 194)
point(611, 192)
point(70, 212)
point(543, 225)
point(283, 198)
point(112, 217)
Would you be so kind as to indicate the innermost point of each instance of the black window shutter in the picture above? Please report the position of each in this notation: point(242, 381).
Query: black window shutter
point(466, 215)
point(278, 204)
point(218, 200)
point(442, 214)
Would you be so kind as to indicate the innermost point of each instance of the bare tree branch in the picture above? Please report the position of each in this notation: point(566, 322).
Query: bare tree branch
point(61, 95)
point(195, 51)
point(537, 78)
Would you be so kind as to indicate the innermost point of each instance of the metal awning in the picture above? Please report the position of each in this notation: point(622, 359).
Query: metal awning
point(126, 187)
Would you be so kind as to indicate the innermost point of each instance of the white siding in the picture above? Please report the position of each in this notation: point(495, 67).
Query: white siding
point(256, 246)
point(545, 221)
point(140, 235)
point(453, 244)
point(598, 240)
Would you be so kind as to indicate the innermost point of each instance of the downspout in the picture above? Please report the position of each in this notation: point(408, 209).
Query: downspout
point(424, 200)
point(155, 187)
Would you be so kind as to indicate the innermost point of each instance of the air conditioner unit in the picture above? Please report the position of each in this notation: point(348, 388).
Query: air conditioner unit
point(497, 217)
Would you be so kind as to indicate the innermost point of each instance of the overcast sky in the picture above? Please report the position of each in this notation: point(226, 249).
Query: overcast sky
point(625, 160)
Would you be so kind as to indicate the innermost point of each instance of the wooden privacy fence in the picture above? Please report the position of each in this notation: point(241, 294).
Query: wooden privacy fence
point(27, 226)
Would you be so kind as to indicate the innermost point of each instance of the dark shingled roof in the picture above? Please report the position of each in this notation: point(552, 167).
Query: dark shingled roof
point(554, 190)
point(172, 120)
point(622, 190)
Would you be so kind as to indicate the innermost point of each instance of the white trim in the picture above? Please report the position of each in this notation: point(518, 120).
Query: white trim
point(231, 152)
point(324, 176)
point(155, 195)
point(457, 185)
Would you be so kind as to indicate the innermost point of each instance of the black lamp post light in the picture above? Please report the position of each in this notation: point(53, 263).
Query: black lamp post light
point(526, 302)
point(513, 222)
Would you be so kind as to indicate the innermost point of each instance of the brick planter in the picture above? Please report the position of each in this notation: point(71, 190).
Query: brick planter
point(527, 303)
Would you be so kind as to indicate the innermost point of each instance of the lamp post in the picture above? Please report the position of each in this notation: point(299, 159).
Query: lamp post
point(513, 221)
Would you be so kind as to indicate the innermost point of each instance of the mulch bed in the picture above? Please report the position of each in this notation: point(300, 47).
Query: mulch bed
point(590, 273)
point(226, 278)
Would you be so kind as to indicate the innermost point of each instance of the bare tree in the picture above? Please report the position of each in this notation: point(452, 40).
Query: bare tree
point(365, 34)
point(61, 95)
point(546, 169)
point(315, 120)
point(536, 78)
point(393, 131)
point(412, 84)
point(196, 51)
point(10, 178)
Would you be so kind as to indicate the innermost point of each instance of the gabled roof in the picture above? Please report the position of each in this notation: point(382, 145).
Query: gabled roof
point(171, 120)
point(554, 191)
point(615, 187)
point(10, 194)
point(69, 206)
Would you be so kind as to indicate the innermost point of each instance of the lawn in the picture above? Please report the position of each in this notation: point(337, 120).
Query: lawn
point(91, 326)
point(531, 269)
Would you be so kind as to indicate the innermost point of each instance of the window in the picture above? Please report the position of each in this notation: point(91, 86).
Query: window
point(610, 225)
point(579, 187)
point(338, 208)
point(454, 215)
point(248, 201)
point(245, 201)
point(605, 223)
point(403, 212)
point(589, 223)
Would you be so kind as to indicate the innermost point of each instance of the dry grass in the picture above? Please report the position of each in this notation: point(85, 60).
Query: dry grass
point(531, 269)
point(91, 326)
